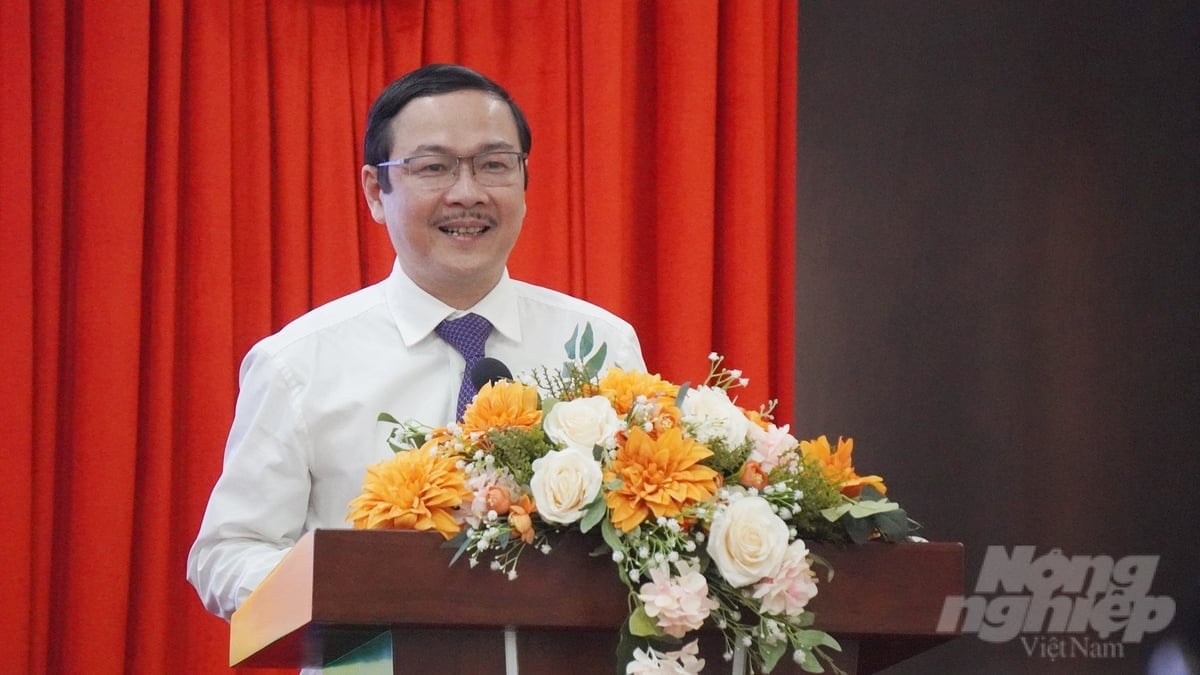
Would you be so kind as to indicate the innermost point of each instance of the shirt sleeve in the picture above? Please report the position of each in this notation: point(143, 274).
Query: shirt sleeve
point(258, 506)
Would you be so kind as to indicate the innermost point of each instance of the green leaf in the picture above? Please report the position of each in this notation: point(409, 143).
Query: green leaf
point(870, 493)
point(770, 653)
point(459, 540)
point(811, 664)
point(641, 625)
point(611, 537)
point(585, 342)
point(384, 417)
point(807, 639)
point(594, 364)
point(594, 513)
point(570, 346)
point(892, 525)
point(683, 389)
point(868, 509)
point(858, 529)
point(833, 513)
point(857, 509)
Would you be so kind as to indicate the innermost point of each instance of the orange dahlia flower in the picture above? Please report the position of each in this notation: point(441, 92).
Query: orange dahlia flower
point(414, 490)
point(838, 466)
point(502, 405)
point(623, 387)
point(659, 476)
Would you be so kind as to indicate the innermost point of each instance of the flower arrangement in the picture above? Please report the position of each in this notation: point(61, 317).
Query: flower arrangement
point(703, 506)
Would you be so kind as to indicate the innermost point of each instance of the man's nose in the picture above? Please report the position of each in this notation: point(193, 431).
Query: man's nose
point(465, 189)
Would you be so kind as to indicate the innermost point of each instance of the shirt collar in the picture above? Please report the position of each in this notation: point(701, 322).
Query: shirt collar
point(417, 313)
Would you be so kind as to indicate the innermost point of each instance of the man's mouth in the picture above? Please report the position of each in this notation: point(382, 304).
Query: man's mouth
point(465, 224)
point(464, 230)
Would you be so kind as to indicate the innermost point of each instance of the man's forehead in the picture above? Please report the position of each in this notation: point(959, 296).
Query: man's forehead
point(452, 117)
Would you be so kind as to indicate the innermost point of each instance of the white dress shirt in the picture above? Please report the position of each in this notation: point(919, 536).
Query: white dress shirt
point(305, 429)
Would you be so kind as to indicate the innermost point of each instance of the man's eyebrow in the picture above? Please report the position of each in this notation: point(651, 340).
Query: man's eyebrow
point(425, 148)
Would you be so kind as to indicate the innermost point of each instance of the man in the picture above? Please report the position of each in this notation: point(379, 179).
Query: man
point(445, 153)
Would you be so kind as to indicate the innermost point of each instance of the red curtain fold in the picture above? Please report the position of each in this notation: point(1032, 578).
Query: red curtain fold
point(180, 179)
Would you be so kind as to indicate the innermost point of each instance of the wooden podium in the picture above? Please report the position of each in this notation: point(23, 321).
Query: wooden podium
point(388, 601)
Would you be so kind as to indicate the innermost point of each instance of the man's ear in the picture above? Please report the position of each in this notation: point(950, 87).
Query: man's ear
point(372, 191)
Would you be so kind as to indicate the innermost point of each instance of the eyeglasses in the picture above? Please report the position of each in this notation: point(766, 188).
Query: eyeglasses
point(438, 172)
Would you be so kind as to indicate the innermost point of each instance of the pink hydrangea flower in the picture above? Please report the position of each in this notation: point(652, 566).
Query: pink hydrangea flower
point(773, 446)
point(678, 603)
point(788, 592)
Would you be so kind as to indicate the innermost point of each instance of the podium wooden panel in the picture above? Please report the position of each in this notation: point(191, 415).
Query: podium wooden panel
point(338, 590)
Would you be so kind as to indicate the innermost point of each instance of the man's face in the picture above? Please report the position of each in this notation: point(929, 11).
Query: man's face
point(452, 242)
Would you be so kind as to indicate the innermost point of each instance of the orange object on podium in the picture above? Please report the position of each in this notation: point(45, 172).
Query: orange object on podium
point(376, 601)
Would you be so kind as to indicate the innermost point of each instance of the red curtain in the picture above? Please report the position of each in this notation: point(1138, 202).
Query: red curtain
point(180, 179)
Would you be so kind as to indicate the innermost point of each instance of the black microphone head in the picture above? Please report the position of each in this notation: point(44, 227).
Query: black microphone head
point(488, 371)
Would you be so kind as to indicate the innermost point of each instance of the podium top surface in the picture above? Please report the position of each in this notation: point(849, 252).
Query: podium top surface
point(338, 586)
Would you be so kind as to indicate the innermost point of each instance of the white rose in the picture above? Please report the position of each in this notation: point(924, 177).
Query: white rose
point(564, 483)
point(582, 423)
point(747, 541)
point(709, 413)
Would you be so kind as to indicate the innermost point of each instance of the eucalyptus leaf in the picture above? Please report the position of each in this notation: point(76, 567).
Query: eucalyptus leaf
point(459, 540)
point(570, 346)
point(594, 364)
point(609, 532)
point(870, 493)
point(868, 509)
point(812, 664)
point(859, 530)
point(683, 389)
point(833, 513)
point(770, 653)
point(585, 342)
point(892, 525)
point(593, 514)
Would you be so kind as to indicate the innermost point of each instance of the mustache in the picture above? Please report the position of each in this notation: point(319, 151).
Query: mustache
point(467, 214)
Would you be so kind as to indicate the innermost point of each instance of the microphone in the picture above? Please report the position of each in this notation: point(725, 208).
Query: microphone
point(488, 371)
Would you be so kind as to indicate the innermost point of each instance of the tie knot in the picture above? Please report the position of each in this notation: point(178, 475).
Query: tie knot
point(467, 334)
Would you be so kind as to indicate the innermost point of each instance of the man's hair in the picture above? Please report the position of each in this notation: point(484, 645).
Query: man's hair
point(430, 80)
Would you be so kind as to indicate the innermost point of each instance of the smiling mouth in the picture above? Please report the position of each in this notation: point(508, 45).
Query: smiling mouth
point(464, 230)
point(465, 224)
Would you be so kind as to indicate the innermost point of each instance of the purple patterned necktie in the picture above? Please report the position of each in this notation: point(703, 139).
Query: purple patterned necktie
point(467, 334)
